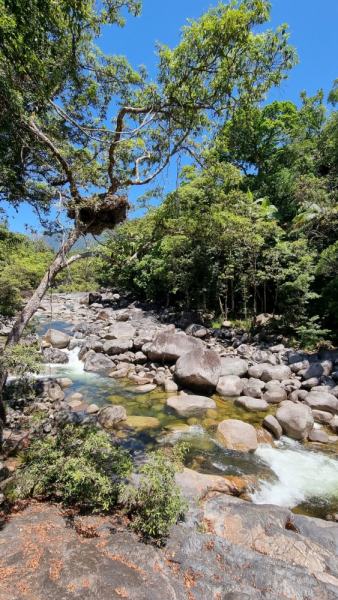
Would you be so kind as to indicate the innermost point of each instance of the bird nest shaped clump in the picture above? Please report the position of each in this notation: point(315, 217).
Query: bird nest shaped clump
point(102, 212)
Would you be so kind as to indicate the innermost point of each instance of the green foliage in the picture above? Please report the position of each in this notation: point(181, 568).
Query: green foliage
point(156, 503)
point(79, 466)
point(20, 360)
point(311, 334)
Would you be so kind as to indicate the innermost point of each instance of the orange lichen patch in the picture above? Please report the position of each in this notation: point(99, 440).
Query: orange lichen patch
point(209, 546)
point(121, 592)
point(190, 596)
point(208, 526)
point(6, 572)
point(71, 587)
point(158, 568)
point(190, 577)
point(101, 544)
point(55, 569)
point(173, 566)
point(86, 530)
point(218, 597)
point(23, 588)
point(122, 560)
point(86, 583)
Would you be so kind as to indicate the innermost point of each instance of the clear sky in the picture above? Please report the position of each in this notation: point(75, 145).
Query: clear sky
point(313, 26)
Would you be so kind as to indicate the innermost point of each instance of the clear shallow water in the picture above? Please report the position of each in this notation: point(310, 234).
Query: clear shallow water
point(295, 475)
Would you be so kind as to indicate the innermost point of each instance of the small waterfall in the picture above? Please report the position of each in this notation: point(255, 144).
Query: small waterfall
point(302, 476)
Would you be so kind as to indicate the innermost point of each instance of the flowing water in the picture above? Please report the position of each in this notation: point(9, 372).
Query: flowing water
point(299, 476)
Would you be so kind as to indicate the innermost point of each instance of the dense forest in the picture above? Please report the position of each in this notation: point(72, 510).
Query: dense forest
point(251, 228)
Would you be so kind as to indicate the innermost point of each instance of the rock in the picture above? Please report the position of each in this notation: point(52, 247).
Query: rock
point(140, 358)
point(189, 404)
point(322, 401)
point(171, 346)
point(55, 356)
point(322, 417)
point(252, 404)
point(317, 435)
point(170, 387)
point(49, 389)
point(271, 423)
point(67, 417)
point(98, 362)
point(310, 383)
point(264, 437)
point(252, 391)
point(103, 315)
point(145, 389)
point(230, 386)
point(257, 370)
point(92, 409)
point(233, 366)
point(279, 372)
point(58, 339)
point(64, 382)
point(237, 435)
point(76, 396)
point(226, 324)
point(143, 339)
point(296, 420)
point(117, 346)
point(199, 370)
point(94, 298)
point(111, 415)
point(318, 369)
point(196, 485)
point(119, 373)
point(196, 331)
point(276, 349)
point(122, 330)
point(275, 395)
point(58, 406)
point(135, 422)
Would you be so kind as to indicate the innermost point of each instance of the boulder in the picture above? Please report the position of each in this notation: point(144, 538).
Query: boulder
point(296, 420)
point(117, 346)
point(122, 330)
point(317, 435)
point(310, 383)
point(94, 298)
point(252, 391)
point(196, 485)
point(55, 356)
point(170, 387)
point(189, 404)
point(49, 389)
point(111, 415)
point(92, 409)
point(322, 417)
point(230, 386)
point(237, 435)
point(64, 382)
point(275, 395)
point(278, 372)
point(136, 422)
point(58, 339)
point(199, 370)
point(322, 401)
point(233, 366)
point(318, 369)
point(98, 362)
point(257, 370)
point(252, 404)
point(196, 331)
point(141, 340)
point(270, 422)
point(171, 346)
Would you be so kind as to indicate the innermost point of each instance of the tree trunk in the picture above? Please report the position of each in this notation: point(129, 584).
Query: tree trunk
point(3, 378)
point(34, 302)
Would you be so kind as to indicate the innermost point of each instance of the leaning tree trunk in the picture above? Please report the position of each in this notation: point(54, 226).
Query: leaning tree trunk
point(3, 378)
point(34, 302)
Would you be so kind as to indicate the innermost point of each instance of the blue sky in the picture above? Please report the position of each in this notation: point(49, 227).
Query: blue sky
point(313, 26)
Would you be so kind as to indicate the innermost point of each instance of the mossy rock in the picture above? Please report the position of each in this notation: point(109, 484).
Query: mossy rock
point(179, 427)
point(193, 421)
point(135, 422)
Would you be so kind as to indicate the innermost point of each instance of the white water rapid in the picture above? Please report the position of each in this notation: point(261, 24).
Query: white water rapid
point(302, 476)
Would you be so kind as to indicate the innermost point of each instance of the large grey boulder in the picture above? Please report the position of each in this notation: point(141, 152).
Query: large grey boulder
point(252, 404)
point(117, 346)
point(322, 401)
point(199, 370)
point(122, 330)
point(237, 435)
point(58, 339)
point(296, 420)
point(233, 366)
point(49, 389)
point(190, 404)
point(275, 395)
point(55, 356)
point(111, 415)
point(278, 372)
point(230, 386)
point(318, 369)
point(256, 371)
point(171, 346)
point(98, 362)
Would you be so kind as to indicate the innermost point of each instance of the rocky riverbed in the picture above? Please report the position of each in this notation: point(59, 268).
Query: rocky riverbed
point(262, 419)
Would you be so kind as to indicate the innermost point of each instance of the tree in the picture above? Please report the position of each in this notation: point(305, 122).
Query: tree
point(67, 147)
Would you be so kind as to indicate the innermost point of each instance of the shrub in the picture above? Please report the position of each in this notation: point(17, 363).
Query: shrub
point(79, 466)
point(21, 361)
point(310, 335)
point(156, 503)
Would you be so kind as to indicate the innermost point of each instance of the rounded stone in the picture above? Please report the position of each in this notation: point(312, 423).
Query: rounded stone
point(237, 435)
point(233, 366)
point(188, 404)
point(252, 404)
point(322, 401)
point(275, 395)
point(92, 409)
point(199, 370)
point(230, 386)
point(279, 372)
point(58, 339)
point(111, 415)
point(317, 435)
point(296, 420)
point(270, 422)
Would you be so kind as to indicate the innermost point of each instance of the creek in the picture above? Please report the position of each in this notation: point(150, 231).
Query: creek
point(297, 475)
